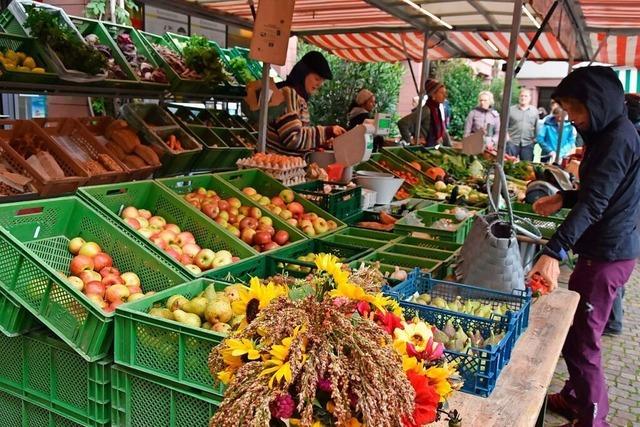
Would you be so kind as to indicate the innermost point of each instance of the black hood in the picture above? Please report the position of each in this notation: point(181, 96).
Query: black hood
point(599, 89)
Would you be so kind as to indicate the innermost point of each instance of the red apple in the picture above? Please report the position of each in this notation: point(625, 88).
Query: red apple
point(211, 210)
point(305, 223)
point(222, 221)
point(204, 258)
point(95, 288)
point(262, 238)
point(101, 261)
point(90, 249)
point(143, 213)
point(249, 222)
point(109, 270)
point(287, 195)
point(196, 203)
point(332, 224)
point(133, 223)
point(244, 210)
point(173, 227)
point(293, 222)
point(75, 244)
point(235, 258)
point(185, 238)
point(97, 300)
point(223, 205)
point(295, 208)
point(255, 212)
point(130, 212)
point(134, 289)
point(76, 282)
point(168, 236)
point(233, 219)
point(247, 235)
point(173, 253)
point(268, 228)
point(176, 248)
point(277, 201)
point(157, 222)
point(90, 276)
point(112, 279)
point(159, 243)
point(191, 249)
point(130, 279)
point(249, 191)
point(80, 263)
point(281, 237)
point(270, 246)
point(185, 259)
point(190, 197)
point(112, 307)
point(234, 202)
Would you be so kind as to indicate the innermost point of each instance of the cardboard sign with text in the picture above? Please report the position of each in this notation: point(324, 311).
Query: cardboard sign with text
point(271, 31)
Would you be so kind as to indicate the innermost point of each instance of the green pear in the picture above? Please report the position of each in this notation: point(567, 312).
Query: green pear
point(210, 292)
point(176, 302)
point(426, 298)
point(164, 313)
point(188, 319)
point(449, 329)
point(439, 302)
point(196, 306)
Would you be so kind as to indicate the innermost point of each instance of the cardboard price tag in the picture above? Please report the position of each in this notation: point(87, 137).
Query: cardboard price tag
point(271, 31)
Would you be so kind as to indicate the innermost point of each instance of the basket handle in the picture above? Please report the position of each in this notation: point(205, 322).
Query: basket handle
point(29, 211)
point(116, 191)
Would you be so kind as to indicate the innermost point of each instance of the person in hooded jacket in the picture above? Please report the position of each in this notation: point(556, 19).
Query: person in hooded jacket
point(291, 133)
point(602, 228)
point(485, 119)
point(548, 135)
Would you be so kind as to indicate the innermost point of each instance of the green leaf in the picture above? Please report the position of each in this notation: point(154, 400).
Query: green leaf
point(301, 292)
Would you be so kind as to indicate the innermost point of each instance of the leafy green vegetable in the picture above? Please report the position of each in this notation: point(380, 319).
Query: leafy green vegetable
point(72, 51)
point(240, 69)
point(201, 56)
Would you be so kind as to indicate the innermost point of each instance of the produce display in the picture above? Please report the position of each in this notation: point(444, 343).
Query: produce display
point(20, 61)
point(126, 146)
point(174, 143)
point(456, 339)
point(451, 192)
point(179, 245)
point(240, 68)
point(522, 170)
point(408, 177)
point(177, 63)
point(244, 222)
point(113, 69)
point(140, 65)
point(458, 166)
point(289, 170)
point(308, 258)
point(209, 310)
point(402, 194)
point(93, 274)
point(468, 306)
point(386, 223)
point(74, 53)
point(291, 211)
point(200, 55)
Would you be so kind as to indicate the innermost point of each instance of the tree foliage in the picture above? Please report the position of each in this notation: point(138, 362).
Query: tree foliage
point(463, 87)
point(497, 88)
point(331, 104)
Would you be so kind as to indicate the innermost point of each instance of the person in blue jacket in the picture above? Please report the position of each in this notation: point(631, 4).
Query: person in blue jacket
point(548, 134)
point(602, 228)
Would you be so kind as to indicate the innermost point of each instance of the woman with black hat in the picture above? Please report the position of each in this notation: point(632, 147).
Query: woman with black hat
point(432, 123)
point(291, 133)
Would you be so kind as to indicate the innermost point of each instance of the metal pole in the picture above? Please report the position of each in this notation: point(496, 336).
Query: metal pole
point(560, 132)
point(264, 109)
point(423, 82)
point(506, 96)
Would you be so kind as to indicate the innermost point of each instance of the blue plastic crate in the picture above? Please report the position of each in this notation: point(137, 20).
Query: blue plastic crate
point(518, 302)
point(479, 367)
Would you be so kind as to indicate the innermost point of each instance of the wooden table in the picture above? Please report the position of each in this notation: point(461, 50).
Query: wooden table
point(522, 386)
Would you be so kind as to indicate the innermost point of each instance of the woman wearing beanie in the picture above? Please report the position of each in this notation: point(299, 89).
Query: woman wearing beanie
point(485, 119)
point(432, 123)
point(291, 133)
point(361, 108)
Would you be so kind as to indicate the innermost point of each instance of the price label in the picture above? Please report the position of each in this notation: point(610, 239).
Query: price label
point(271, 31)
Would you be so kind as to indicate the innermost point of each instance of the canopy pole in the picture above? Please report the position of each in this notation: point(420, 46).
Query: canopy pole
point(506, 96)
point(423, 82)
point(264, 109)
point(560, 132)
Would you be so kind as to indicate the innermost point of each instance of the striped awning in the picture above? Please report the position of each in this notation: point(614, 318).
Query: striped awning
point(611, 15)
point(615, 49)
point(390, 47)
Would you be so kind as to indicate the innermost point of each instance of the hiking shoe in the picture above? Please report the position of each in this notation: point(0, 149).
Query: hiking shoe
point(612, 332)
point(560, 405)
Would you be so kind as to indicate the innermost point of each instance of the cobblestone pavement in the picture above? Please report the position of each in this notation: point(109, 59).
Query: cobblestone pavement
point(621, 360)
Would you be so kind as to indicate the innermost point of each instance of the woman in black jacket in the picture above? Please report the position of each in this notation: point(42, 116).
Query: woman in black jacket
point(602, 229)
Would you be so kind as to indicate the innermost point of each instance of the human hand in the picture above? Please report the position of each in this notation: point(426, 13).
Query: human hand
point(338, 130)
point(548, 268)
point(548, 205)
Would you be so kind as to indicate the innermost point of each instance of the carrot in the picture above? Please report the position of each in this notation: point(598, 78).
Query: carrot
point(387, 219)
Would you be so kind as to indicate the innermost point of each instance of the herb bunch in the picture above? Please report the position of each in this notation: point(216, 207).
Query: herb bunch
point(201, 56)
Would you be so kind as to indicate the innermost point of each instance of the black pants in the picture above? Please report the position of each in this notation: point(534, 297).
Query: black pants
point(523, 152)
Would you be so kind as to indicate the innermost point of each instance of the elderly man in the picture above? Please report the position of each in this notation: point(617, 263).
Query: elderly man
point(523, 119)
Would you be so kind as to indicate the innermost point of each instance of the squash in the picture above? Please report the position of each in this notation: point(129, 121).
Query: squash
point(436, 173)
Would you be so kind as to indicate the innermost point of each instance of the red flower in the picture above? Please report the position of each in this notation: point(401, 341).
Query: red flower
point(433, 351)
point(363, 308)
point(388, 321)
point(426, 403)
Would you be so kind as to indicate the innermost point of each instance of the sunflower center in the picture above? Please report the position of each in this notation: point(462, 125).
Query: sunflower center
point(253, 307)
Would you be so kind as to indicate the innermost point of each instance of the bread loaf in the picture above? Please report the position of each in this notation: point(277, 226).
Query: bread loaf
point(116, 150)
point(50, 164)
point(94, 168)
point(114, 125)
point(134, 162)
point(126, 139)
point(108, 163)
point(147, 154)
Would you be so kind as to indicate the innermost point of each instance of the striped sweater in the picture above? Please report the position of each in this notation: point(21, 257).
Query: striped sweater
point(291, 133)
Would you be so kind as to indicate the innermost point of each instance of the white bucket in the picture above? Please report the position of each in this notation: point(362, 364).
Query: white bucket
point(385, 185)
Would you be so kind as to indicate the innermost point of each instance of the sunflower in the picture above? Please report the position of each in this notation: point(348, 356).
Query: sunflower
point(350, 291)
point(410, 363)
point(328, 262)
point(278, 365)
point(385, 304)
point(340, 276)
point(255, 298)
point(415, 334)
point(226, 376)
point(439, 379)
point(243, 348)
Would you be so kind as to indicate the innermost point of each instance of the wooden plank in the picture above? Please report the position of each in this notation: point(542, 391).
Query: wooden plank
point(522, 385)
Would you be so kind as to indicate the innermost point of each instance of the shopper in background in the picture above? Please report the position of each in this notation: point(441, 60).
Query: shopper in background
point(614, 325)
point(602, 229)
point(549, 133)
point(446, 107)
point(432, 124)
point(484, 119)
point(361, 108)
point(523, 119)
point(291, 132)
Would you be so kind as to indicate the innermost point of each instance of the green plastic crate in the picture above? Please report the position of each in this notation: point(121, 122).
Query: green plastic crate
point(140, 400)
point(31, 47)
point(404, 155)
point(34, 237)
point(216, 154)
point(430, 244)
point(18, 411)
point(445, 257)
point(269, 187)
point(397, 165)
point(458, 234)
point(90, 26)
point(15, 320)
point(51, 374)
point(339, 203)
point(444, 208)
point(165, 348)
point(183, 185)
point(362, 242)
point(389, 261)
point(243, 271)
point(346, 253)
point(361, 237)
point(110, 200)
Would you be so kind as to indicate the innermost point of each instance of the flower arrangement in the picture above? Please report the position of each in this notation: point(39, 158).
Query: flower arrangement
point(325, 352)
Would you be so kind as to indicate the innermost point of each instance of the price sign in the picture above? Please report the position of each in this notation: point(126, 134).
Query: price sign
point(271, 31)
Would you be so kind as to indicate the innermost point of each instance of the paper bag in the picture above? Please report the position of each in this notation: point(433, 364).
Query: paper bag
point(473, 144)
point(354, 146)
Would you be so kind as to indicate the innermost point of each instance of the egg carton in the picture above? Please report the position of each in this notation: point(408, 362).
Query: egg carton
point(251, 163)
